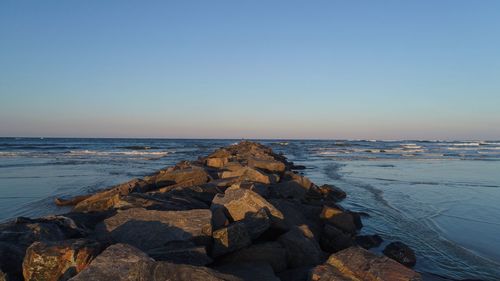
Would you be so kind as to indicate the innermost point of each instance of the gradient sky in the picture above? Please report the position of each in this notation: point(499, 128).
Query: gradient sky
point(250, 69)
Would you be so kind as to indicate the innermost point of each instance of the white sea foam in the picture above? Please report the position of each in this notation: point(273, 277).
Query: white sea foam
point(108, 153)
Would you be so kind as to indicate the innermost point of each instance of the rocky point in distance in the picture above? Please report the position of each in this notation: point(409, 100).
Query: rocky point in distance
point(241, 213)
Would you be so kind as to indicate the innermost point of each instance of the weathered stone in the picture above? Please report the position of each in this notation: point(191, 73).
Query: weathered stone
point(230, 239)
point(216, 162)
point(297, 214)
point(173, 200)
point(270, 166)
point(272, 253)
point(249, 174)
point(116, 263)
point(356, 263)
point(106, 199)
point(288, 190)
point(70, 202)
point(148, 229)
point(333, 240)
point(54, 261)
point(250, 271)
point(302, 180)
point(160, 271)
point(331, 192)
point(369, 241)
point(11, 259)
point(241, 203)
point(257, 223)
point(181, 252)
point(189, 176)
point(261, 189)
point(401, 253)
point(301, 246)
point(219, 218)
point(340, 219)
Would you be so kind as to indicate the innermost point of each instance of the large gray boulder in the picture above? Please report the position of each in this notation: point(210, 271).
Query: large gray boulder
point(272, 253)
point(149, 229)
point(231, 238)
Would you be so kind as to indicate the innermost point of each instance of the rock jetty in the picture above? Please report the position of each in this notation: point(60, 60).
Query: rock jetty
point(240, 213)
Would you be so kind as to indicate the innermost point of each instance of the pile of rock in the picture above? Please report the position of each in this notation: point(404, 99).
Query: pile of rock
point(241, 213)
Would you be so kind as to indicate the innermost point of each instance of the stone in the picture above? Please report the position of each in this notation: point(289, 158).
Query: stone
point(301, 247)
point(105, 200)
point(148, 229)
point(401, 253)
point(333, 239)
point(250, 271)
point(160, 271)
point(261, 189)
point(241, 203)
point(249, 174)
point(11, 259)
point(356, 263)
point(230, 239)
point(181, 252)
point(257, 223)
point(297, 214)
point(369, 241)
point(189, 176)
point(340, 219)
point(331, 192)
point(219, 218)
point(58, 261)
point(269, 166)
point(288, 190)
point(295, 274)
point(115, 263)
point(272, 253)
point(302, 180)
point(216, 162)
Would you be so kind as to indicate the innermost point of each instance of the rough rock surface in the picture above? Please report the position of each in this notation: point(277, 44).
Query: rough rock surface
point(148, 229)
point(53, 261)
point(401, 253)
point(301, 247)
point(243, 205)
point(115, 263)
point(231, 238)
point(356, 263)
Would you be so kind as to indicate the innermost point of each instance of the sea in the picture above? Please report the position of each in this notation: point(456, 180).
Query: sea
point(442, 198)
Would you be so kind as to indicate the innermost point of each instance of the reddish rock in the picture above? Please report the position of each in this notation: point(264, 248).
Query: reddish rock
point(230, 239)
point(58, 261)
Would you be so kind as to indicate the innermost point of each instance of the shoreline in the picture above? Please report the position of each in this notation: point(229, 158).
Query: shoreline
point(265, 172)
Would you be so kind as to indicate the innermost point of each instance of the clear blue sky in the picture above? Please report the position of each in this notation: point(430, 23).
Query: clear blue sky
point(253, 69)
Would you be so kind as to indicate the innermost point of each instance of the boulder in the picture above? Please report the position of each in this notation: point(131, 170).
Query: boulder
point(257, 223)
point(301, 247)
point(297, 214)
point(239, 204)
point(249, 271)
point(181, 252)
point(356, 263)
point(216, 162)
point(249, 174)
point(342, 220)
point(11, 259)
point(168, 202)
point(331, 192)
point(58, 261)
point(118, 262)
point(302, 180)
point(230, 239)
point(369, 241)
point(219, 218)
point(270, 166)
point(261, 189)
point(149, 229)
point(189, 176)
point(105, 200)
point(272, 253)
point(288, 190)
point(295, 274)
point(401, 253)
point(160, 271)
point(333, 239)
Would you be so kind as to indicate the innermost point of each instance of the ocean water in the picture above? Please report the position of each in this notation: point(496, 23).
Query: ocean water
point(440, 197)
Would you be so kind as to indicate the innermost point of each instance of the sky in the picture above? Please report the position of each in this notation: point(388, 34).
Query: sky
point(250, 69)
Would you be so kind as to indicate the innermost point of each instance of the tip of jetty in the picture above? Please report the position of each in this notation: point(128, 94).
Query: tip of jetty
point(240, 213)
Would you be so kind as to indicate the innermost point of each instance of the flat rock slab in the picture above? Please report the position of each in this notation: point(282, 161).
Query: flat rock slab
point(149, 229)
point(116, 263)
point(356, 263)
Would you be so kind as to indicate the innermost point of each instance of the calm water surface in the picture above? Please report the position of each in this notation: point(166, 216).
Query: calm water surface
point(441, 198)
